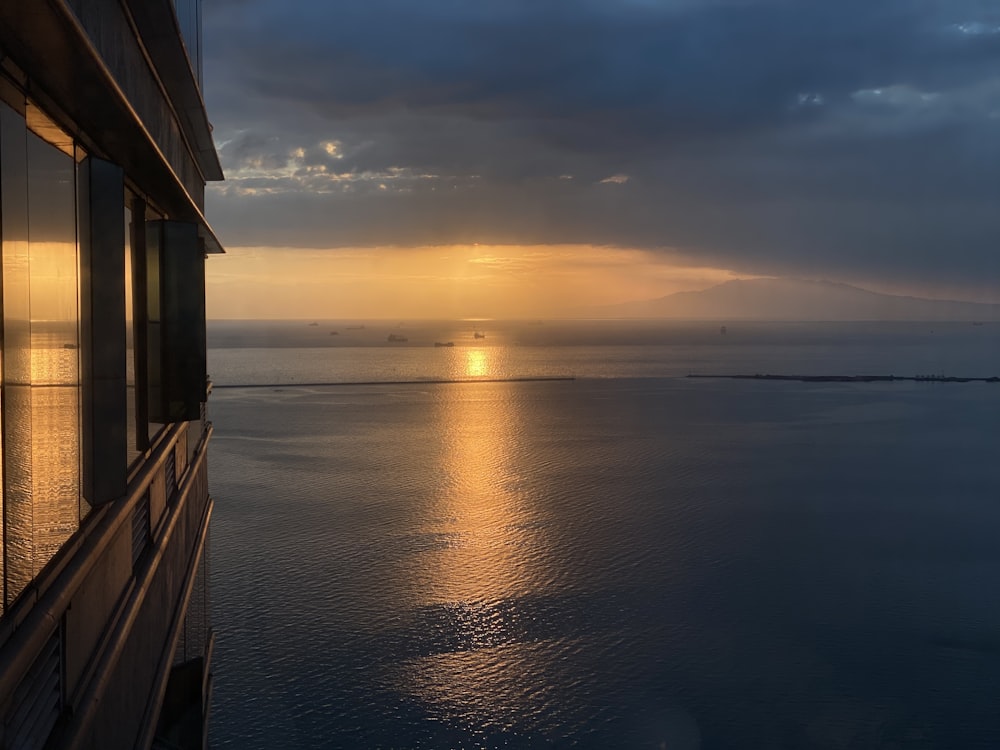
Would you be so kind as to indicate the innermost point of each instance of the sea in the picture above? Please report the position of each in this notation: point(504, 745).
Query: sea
point(547, 535)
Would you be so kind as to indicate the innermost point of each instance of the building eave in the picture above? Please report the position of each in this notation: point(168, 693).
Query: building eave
point(56, 62)
point(161, 34)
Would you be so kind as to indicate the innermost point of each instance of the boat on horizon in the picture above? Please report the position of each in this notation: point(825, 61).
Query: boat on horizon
point(479, 335)
point(444, 343)
point(396, 338)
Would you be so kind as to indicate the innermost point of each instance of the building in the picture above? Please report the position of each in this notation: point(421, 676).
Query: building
point(105, 148)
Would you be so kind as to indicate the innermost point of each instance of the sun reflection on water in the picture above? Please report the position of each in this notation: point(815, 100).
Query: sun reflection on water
point(479, 362)
point(483, 511)
point(476, 363)
point(484, 672)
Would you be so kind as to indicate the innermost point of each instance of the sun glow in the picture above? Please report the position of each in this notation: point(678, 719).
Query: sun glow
point(476, 364)
point(457, 282)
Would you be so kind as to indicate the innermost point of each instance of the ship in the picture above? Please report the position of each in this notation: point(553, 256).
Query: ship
point(396, 338)
point(479, 335)
point(444, 343)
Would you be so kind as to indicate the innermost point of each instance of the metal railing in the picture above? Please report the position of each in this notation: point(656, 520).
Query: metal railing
point(91, 648)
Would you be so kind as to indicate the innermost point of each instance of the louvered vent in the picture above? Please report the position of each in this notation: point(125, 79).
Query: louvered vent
point(37, 702)
point(141, 532)
point(170, 474)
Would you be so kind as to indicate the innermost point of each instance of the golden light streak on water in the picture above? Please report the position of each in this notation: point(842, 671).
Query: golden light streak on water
point(477, 364)
point(484, 516)
point(492, 553)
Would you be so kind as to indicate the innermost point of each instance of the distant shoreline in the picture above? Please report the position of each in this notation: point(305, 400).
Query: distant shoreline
point(856, 378)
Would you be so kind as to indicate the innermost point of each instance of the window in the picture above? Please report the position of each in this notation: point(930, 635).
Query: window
point(175, 267)
point(189, 19)
point(133, 452)
point(137, 436)
point(42, 505)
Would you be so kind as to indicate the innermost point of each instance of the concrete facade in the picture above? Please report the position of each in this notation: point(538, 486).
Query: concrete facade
point(105, 148)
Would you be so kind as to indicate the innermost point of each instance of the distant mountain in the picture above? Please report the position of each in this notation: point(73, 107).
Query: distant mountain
point(795, 299)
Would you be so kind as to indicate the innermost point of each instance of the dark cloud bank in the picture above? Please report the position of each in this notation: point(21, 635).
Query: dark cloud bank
point(857, 140)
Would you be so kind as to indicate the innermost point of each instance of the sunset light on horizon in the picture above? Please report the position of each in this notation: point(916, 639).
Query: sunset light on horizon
point(461, 281)
point(596, 374)
point(598, 152)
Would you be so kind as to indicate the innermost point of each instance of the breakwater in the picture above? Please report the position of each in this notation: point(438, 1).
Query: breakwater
point(857, 378)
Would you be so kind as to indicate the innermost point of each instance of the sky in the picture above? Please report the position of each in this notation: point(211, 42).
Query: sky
point(454, 158)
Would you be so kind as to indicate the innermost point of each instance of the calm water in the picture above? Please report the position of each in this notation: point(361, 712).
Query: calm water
point(628, 559)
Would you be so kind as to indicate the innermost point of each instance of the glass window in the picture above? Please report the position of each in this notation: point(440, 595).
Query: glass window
point(134, 449)
point(175, 264)
point(55, 360)
point(17, 516)
point(156, 423)
point(189, 20)
point(41, 358)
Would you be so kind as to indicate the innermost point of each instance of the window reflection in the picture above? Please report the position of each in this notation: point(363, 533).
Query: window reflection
point(133, 452)
point(152, 311)
point(189, 20)
point(41, 368)
point(18, 534)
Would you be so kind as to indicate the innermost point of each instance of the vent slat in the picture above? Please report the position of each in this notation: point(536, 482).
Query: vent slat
point(37, 701)
point(141, 531)
point(170, 475)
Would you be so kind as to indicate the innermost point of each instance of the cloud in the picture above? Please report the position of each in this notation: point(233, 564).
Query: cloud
point(854, 139)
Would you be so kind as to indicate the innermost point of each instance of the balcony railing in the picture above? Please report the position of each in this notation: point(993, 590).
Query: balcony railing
point(103, 619)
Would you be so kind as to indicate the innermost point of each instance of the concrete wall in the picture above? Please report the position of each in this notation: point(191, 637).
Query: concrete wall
point(119, 621)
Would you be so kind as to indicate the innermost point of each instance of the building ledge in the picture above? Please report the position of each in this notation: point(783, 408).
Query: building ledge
point(157, 587)
point(46, 51)
point(161, 35)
